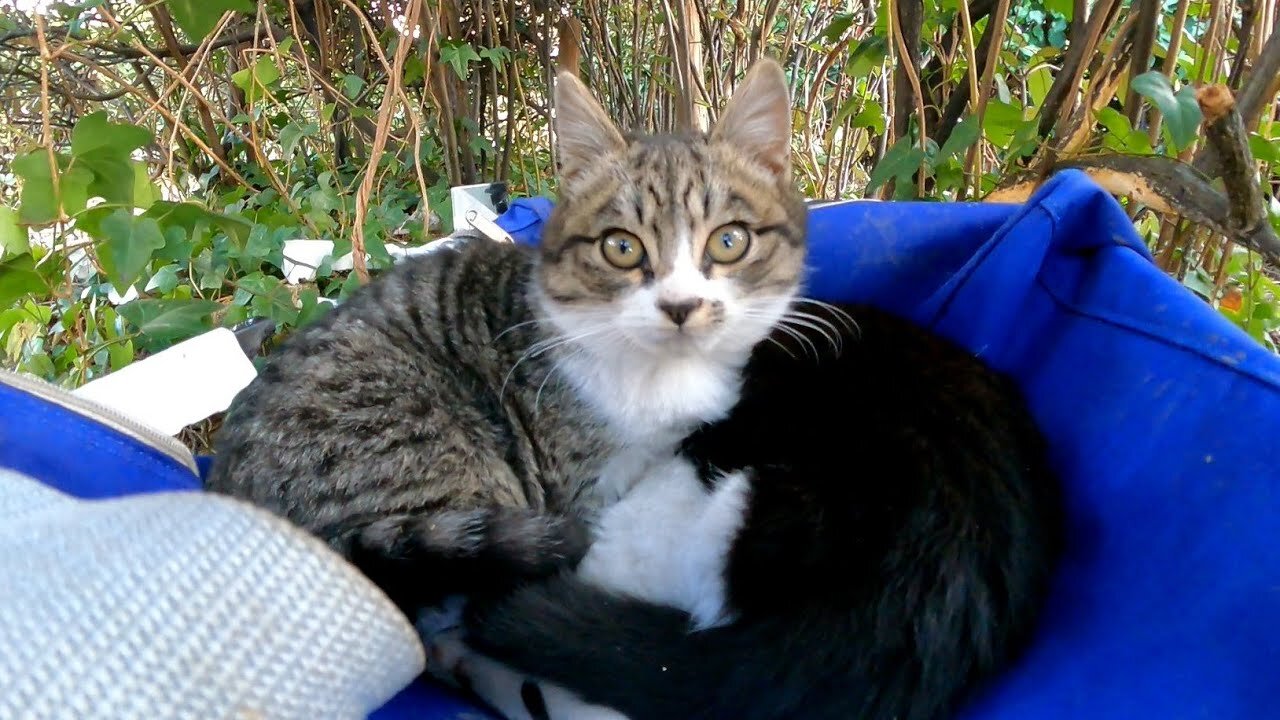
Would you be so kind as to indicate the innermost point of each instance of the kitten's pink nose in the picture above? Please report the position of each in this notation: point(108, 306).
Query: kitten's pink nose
point(679, 311)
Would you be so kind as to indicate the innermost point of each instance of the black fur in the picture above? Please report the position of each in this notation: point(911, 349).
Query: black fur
point(900, 536)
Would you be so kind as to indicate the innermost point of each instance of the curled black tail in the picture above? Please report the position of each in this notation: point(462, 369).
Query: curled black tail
point(418, 559)
point(643, 660)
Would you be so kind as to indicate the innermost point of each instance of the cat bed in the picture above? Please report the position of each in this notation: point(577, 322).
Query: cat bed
point(1160, 415)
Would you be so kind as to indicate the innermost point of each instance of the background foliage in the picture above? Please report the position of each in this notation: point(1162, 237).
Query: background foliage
point(156, 156)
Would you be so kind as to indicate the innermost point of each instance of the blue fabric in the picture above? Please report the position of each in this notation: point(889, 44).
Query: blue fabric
point(1161, 416)
point(78, 455)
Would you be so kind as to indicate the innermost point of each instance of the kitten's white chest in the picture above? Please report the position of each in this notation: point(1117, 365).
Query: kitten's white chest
point(667, 541)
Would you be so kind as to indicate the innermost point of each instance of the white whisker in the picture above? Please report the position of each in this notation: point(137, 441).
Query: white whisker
point(845, 318)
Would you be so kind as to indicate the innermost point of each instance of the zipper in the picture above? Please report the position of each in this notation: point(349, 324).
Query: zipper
point(169, 446)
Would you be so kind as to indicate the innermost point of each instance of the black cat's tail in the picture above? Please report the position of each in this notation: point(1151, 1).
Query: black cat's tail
point(420, 558)
point(643, 660)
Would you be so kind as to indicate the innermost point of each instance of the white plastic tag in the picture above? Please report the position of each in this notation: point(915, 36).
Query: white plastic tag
point(178, 386)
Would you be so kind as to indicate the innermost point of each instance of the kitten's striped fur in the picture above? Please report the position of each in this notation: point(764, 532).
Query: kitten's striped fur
point(451, 424)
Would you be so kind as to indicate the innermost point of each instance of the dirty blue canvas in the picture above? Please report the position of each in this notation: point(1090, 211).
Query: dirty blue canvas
point(1161, 414)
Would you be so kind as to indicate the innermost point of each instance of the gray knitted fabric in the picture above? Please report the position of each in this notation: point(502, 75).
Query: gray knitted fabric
point(184, 605)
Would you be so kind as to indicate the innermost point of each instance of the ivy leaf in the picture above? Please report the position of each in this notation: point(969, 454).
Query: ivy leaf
point(113, 176)
point(1181, 111)
point(18, 278)
point(352, 85)
point(458, 55)
point(190, 216)
point(144, 193)
point(13, 237)
point(964, 135)
point(37, 203)
point(130, 241)
point(413, 71)
point(164, 280)
point(95, 133)
point(271, 299)
point(496, 55)
point(169, 319)
point(312, 309)
point(198, 17)
point(901, 160)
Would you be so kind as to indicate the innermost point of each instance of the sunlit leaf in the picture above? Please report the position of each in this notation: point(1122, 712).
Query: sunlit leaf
point(95, 133)
point(13, 237)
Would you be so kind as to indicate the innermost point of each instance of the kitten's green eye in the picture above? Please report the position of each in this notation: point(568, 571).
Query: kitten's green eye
point(623, 250)
point(728, 243)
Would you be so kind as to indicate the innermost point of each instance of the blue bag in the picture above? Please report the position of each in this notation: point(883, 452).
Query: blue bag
point(1160, 415)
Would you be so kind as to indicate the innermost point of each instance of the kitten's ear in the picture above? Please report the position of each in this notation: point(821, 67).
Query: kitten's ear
point(757, 119)
point(584, 132)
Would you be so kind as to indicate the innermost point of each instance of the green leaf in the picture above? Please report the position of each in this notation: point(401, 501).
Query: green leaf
point(458, 55)
point(256, 79)
point(74, 184)
point(120, 354)
point(13, 237)
point(352, 85)
point(130, 241)
point(312, 309)
point(113, 176)
point(495, 55)
point(413, 70)
point(1001, 122)
point(865, 57)
point(271, 299)
point(144, 193)
point(1002, 88)
point(1062, 7)
point(18, 278)
point(173, 319)
point(899, 161)
point(38, 204)
point(95, 133)
point(962, 137)
point(164, 280)
point(191, 215)
point(871, 116)
point(839, 24)
point(1181, 111)
point(1267, 151)
point(1038, 83)
point(198, 17)
point(292, 134)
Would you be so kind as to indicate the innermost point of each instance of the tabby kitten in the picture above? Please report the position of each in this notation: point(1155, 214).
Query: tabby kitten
point(452, 424)
point(868, 535)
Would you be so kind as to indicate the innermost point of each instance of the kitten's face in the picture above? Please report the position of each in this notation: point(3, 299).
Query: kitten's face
point(675, 245)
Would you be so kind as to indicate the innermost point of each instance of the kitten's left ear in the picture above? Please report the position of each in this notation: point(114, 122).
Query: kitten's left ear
point(757, 119)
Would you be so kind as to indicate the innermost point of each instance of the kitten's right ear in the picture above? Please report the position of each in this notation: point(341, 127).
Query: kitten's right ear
point(584, 132)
